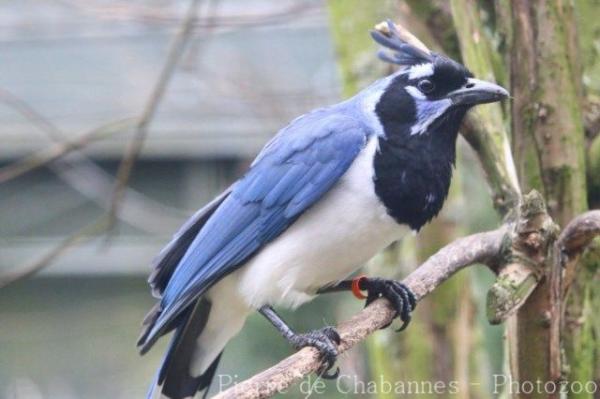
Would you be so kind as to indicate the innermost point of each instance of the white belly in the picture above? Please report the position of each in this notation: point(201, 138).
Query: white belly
point(342, 231)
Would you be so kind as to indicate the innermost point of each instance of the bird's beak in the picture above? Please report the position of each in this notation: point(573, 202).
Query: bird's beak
point(477, 91)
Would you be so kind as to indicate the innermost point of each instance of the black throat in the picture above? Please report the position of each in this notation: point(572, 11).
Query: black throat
point(413, 172)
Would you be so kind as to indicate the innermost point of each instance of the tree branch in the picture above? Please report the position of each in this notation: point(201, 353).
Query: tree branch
point(88, 232)
point(483, 127)
point(134, 148)
point(477, 248)
point(84, 175)
point(580, 232)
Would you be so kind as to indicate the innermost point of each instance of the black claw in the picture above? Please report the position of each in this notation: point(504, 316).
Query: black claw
point(325, 374)
point(400, 296)
point(325, 341)
point(411, 296)
point(405, 324)
point(405, 308)
point(395, 296)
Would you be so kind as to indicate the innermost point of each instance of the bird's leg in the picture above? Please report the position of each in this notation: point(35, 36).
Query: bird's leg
point(325, 340)
point(401, 297)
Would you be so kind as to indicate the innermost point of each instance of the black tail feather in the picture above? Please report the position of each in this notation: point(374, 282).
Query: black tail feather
point(174, 379)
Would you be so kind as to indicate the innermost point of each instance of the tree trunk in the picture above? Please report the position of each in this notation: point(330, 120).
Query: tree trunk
point(548, 143)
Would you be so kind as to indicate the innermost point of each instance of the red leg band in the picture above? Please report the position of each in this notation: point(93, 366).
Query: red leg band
point(356, 286)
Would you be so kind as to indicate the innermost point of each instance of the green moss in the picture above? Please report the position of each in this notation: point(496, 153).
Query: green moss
point(350, 23)
point(505, 295)
point(439, 24)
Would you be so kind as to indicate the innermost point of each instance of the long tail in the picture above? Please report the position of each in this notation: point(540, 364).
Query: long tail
point(195, 349)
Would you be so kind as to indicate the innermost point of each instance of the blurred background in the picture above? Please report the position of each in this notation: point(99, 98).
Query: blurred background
point(87, 86)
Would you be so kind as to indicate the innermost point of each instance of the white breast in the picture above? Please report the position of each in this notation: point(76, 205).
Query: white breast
point(347, 227)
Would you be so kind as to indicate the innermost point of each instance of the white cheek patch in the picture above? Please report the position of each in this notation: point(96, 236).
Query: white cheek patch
point(420, 71)
point(427, 111)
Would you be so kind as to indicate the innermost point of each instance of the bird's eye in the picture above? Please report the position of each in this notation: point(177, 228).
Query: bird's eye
point(426, 86)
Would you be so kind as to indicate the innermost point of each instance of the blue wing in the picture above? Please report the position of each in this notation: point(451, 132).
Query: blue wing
point(167, 260)
point(291, 173)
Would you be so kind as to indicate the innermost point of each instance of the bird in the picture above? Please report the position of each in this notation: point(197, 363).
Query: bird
point(326, 193)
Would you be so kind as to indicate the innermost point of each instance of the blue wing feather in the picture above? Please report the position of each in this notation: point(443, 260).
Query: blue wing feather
point(293, 171)
point(165, 263)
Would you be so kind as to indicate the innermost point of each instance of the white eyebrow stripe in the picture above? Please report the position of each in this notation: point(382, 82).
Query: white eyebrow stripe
point(420, 71)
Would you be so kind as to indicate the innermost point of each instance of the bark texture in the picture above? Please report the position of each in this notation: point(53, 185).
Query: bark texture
point(548, 143)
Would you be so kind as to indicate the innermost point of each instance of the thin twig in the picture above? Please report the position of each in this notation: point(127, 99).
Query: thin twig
point(477, 248)
point(163, 16)
point(136, 143)
point(93, 175)
point(83, 174)
point(47, 155)
point(21, 272)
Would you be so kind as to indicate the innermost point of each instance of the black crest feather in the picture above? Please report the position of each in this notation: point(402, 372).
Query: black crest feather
point(404, 53)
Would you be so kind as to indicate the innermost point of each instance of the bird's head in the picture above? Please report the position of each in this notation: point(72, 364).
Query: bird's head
point(430, 86)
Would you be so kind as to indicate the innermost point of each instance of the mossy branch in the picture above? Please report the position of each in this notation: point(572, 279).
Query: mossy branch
point(526, 247)
point(484, 128)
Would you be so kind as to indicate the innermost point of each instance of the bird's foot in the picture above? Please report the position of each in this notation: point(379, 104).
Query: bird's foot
point(326, 341)
point(400, 296)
